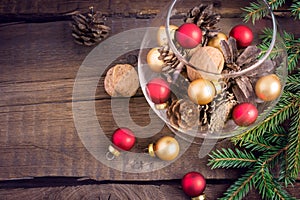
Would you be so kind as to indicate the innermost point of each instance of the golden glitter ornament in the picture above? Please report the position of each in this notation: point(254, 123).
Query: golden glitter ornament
point(201, 91)
point(153, 60)
point(268, 88)
point(166, 148)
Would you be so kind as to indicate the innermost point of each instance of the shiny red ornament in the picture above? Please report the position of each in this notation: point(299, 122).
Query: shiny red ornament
point(193, 184)
point(188, 35)
point(243, 35)
point(123, 138)
point(158, 90)
point(244, 114)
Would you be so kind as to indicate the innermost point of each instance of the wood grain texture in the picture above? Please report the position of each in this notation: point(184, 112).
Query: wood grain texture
point(113, 191)
point(38, 137)
point(110, 7)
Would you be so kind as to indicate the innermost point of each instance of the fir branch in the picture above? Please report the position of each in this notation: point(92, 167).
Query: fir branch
point(292, 83)
point(241, 187)
point(227, 158)
point(295, 9)
point(256, 11)
point(293, 60)
point(293, 152)
point(267, 186)
point(281, 112)
point(259, 144)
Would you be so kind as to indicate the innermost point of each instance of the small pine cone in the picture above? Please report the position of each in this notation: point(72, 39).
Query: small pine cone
point(205, 18)
point(221, 112)
point(183, 114)
point(171, 62)
point(89, 29)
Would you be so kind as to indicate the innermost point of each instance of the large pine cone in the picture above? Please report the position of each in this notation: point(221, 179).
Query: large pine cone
point(205, 18)
point(183, 114)
point(89, 29)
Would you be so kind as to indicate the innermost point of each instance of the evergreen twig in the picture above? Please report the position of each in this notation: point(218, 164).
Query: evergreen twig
point(271, 143)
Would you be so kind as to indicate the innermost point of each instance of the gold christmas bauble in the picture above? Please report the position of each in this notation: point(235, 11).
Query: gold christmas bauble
point(268, 88)
point(201, 91)
point(166, 148)
point(215, 41)
point(162, 35)
point(154, 63)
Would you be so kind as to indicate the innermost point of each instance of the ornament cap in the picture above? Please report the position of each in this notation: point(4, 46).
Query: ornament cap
point(151, 150)
point(200, 197)
point(161, 106)
point(112, 153)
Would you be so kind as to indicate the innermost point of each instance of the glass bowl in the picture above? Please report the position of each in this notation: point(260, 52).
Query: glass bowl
point(222, 76)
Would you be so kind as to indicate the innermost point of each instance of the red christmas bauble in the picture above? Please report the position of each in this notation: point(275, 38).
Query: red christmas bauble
point(188, 35)
point(243, 35)
point(158, 90)
point(193, 184)
point(123, 138)
point(244, 114)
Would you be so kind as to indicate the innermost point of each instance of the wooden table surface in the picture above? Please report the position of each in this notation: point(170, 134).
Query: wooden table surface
point(42, 155)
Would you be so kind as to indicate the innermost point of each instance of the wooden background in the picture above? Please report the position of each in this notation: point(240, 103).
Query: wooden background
point(41, 154)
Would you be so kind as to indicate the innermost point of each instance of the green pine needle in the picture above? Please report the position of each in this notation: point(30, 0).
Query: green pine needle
point(228, 158)
point(293, 83)
point(295, 9)
point(267, 186)
point(293, 152)
point(241, 187)
point(256, 11)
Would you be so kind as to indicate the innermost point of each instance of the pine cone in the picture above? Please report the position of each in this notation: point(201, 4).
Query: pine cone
point(222, 109)
point(171, 62)
point(205, 18)
point(183, 114)
point(236, 60)
point(89, 29)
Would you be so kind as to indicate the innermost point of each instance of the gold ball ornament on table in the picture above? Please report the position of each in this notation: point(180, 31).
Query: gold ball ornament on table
point(215, 41)
point(162, 35)
point(166, 148)
point(201, 91)
point(268, 88)
point(153, 61)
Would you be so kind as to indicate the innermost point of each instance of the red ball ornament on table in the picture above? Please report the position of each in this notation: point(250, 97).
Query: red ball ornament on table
point(158, 91)
point(188, 35)
point(122, 139)
point(193, 184)
point(243, 35)
point(244, 114)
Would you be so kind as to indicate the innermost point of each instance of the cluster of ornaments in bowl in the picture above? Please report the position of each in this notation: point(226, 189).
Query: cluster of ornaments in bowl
point(198, 88)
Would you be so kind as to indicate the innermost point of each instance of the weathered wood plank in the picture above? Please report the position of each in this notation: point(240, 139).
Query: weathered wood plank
point(41, 140)
point(112, 7)
point(166, 191)
point(48, 48)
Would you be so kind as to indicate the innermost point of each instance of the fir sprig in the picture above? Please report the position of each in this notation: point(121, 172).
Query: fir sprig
point(275, 141)
point(241, 187)
point(295, 9)
point(257, 10)
point(293, 152)
point(228, 158)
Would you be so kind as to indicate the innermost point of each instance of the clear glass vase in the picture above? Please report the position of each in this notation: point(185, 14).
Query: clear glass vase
point(222, 76)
